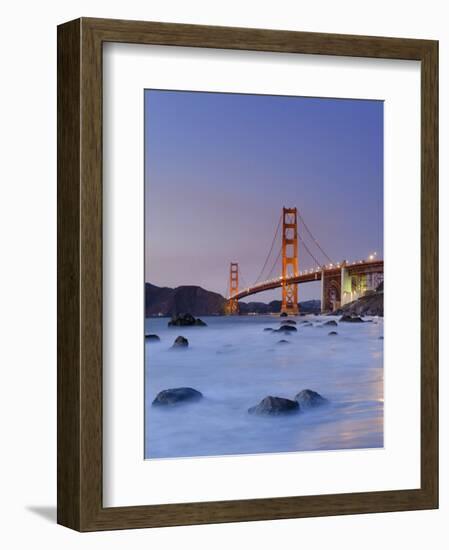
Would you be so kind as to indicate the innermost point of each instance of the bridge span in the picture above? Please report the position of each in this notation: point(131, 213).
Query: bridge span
point(341, 282)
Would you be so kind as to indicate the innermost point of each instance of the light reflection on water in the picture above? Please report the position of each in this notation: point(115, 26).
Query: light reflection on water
point(235, 364)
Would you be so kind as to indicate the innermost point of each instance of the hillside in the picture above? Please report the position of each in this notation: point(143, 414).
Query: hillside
point(198, 301)
point(371, 304)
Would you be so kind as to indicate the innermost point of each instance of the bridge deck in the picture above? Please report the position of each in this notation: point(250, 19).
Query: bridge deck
point(355, 268)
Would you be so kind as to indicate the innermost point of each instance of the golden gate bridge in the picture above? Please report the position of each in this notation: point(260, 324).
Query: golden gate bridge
point(341, 282)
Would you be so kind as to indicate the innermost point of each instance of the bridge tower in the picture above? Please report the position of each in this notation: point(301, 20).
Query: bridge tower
point(232, 305)
point(289, 260)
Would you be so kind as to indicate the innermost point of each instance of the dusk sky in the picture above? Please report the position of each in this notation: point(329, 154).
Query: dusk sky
point(220, 167)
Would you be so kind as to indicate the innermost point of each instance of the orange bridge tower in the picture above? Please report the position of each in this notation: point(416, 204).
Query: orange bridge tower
point(232, 305)
point(289, 260)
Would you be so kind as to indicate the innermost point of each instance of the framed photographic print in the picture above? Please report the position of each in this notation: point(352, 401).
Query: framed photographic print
point(247, 274)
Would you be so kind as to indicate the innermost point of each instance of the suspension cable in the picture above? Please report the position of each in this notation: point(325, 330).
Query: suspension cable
point(270, 251)
point(313, 238)
point(307, 250)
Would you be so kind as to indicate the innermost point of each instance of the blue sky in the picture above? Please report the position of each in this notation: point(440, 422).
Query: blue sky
point(220, 167)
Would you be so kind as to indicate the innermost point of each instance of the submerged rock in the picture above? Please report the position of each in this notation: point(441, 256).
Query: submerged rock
point(177, 395)
point(152, 338)
point(331, 323)
point(275, 406)
point(351, 319)
point(268, 329)
point(333, 333)
point(288, 322)
point(286, 328)
point(283, 342)
point(309, 398)
point(186, 320)
point(180, 342)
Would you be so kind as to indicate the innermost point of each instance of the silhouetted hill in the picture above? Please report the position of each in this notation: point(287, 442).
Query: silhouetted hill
point(183, 299)
point(198, 301)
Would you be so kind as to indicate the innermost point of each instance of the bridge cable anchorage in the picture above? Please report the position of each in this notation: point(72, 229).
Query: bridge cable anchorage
point(269, 253)
point(313, 238)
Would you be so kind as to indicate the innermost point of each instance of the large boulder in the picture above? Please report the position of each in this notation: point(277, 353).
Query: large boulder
point(309, 398)
point(275, 406)
point(152, 338)
point(180, 343)
point(286, 328)
point(177, 395)
point(351, 319)
point(186, 320)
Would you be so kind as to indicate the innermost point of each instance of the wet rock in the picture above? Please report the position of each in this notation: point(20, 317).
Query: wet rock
point(283, 314)
point(283, 342)
point(186, 320)
point(309, 398)
point(275, 406)
point(331, 323)
point(333, 333)
point(180, 343)
point(286, 328)
point(351, 319)
point(268, 329)
point(152, 338)
point(176, 395)
point(288, 322)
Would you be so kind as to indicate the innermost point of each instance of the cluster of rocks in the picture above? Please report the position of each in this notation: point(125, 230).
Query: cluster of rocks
point(275, 406)
point(186, 320)
point(272, 406)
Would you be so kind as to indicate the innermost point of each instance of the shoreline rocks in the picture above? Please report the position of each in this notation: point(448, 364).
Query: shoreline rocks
point(351, 319)
point(333, 333)
point(275, 406)
point(286, 328)
point(186, 320)
point(174, 396)
point(308, 399)
point(152, 338)
point(180, 343)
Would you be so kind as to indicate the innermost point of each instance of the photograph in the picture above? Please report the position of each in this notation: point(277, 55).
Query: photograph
point(263, 274)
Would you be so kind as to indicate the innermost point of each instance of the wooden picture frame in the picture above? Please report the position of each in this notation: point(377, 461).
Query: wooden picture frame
point(80, 504)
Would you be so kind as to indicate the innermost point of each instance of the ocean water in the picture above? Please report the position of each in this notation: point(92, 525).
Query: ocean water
point(235, 364)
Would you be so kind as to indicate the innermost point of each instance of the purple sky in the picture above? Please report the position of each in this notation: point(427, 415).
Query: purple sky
point(220, 167)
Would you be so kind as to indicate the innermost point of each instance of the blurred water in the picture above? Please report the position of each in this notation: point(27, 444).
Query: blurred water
point(235, 364)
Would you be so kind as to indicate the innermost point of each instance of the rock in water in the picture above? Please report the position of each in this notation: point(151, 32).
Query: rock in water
point(283, 314)
point(331, 323)
point(381, 337)
point(283, 342)
point(152, 338)
point(177, 395)
point(309, 398)
point(333, 333)
point(275, 406)
point(180, 342)
point(286, 328)
point(288, 322)
point(268, 329)
point(185, 320)
point(351, 319)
